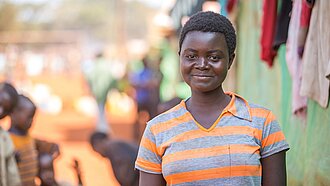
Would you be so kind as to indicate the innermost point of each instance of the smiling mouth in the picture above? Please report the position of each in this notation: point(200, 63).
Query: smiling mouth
point(202, 76)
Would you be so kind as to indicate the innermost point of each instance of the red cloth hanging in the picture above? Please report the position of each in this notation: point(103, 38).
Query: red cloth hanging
point(268, 31)
point(305, 15)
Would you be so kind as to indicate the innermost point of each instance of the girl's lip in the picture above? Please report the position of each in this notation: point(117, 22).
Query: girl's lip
point(202, 75)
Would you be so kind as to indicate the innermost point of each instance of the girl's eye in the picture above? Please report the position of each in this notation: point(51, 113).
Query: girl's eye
point(214, 58)
point(191, 57)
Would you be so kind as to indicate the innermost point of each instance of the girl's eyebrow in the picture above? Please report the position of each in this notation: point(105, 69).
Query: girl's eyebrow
point(190, 50)
point(210, 51)
point(216, 50)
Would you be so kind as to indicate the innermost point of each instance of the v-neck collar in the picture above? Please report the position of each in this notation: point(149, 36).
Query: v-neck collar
point(237, 106)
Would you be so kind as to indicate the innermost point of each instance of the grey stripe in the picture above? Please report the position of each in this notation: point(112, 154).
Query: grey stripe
point(274, 148)
point(147, 134)
point(168, 115)
point(149, 156)
point(177, 130)
point(197, 164)
point(233, 181)
point(271, 128)
point(145, 170)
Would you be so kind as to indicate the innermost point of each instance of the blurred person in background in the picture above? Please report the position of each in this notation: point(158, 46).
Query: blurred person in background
point(164, 106)
point(9, 175)
point(101, 80)
point(47, 173)
point(27, 148)
point(121, 155)
point(146, 82)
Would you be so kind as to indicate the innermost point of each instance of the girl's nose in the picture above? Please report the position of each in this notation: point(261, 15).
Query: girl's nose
point(203, 63)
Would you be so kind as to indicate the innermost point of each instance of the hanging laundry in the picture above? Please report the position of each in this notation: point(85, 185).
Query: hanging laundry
point(328, 71)
point(316, 58)
point(282, 24)
point(231, 4)
point(306, 9)
point(268, 31)
point(223, 4)
point(294, 63)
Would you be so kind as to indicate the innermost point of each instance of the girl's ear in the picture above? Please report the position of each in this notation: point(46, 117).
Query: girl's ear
point(231, 59)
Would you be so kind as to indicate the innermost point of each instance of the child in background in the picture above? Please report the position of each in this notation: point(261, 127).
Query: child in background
point(26, 147)
point(46, 170)
point(47, 173)
point(9, 175)
point(121, 156)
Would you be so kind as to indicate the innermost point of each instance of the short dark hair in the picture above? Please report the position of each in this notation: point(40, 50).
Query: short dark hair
point(8, 88)
point(210, 22)
point(24, 98)
point(96, 137)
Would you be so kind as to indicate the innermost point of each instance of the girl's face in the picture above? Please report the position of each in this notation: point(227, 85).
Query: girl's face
point(204, 60)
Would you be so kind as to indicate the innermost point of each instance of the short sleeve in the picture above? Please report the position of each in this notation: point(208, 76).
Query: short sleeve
point(273, 139)
point(148, 159)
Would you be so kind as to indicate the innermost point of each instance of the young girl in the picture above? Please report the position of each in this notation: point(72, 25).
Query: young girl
point(213, 137)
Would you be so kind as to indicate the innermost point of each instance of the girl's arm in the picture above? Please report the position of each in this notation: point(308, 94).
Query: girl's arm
point(274, 170)
point(147, 179)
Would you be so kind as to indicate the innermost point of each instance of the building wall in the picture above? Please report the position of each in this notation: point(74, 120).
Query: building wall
point(308, 160)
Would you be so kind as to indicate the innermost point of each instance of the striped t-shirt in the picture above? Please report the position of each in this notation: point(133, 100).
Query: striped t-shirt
point(27, 161)
point(228, 153)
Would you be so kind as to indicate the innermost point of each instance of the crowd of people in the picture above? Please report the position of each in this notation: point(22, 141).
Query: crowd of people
point(25, 160)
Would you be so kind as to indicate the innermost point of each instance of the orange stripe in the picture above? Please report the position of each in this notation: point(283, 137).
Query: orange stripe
point(22, 141)
point(213, 125)
point(259, 112)
point(208, 152)
point(273, 138)
point(232, 107)
point(146, 143)
point(32, 163)
point(29, 156)
point(148, 165)
point(28, 167)
point(163, 126)
point(270, 119)
point(223, 172)
point(221, 131)
point(30, 173)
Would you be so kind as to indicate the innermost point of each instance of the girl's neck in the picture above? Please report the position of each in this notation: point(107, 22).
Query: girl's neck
point(209, 99)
